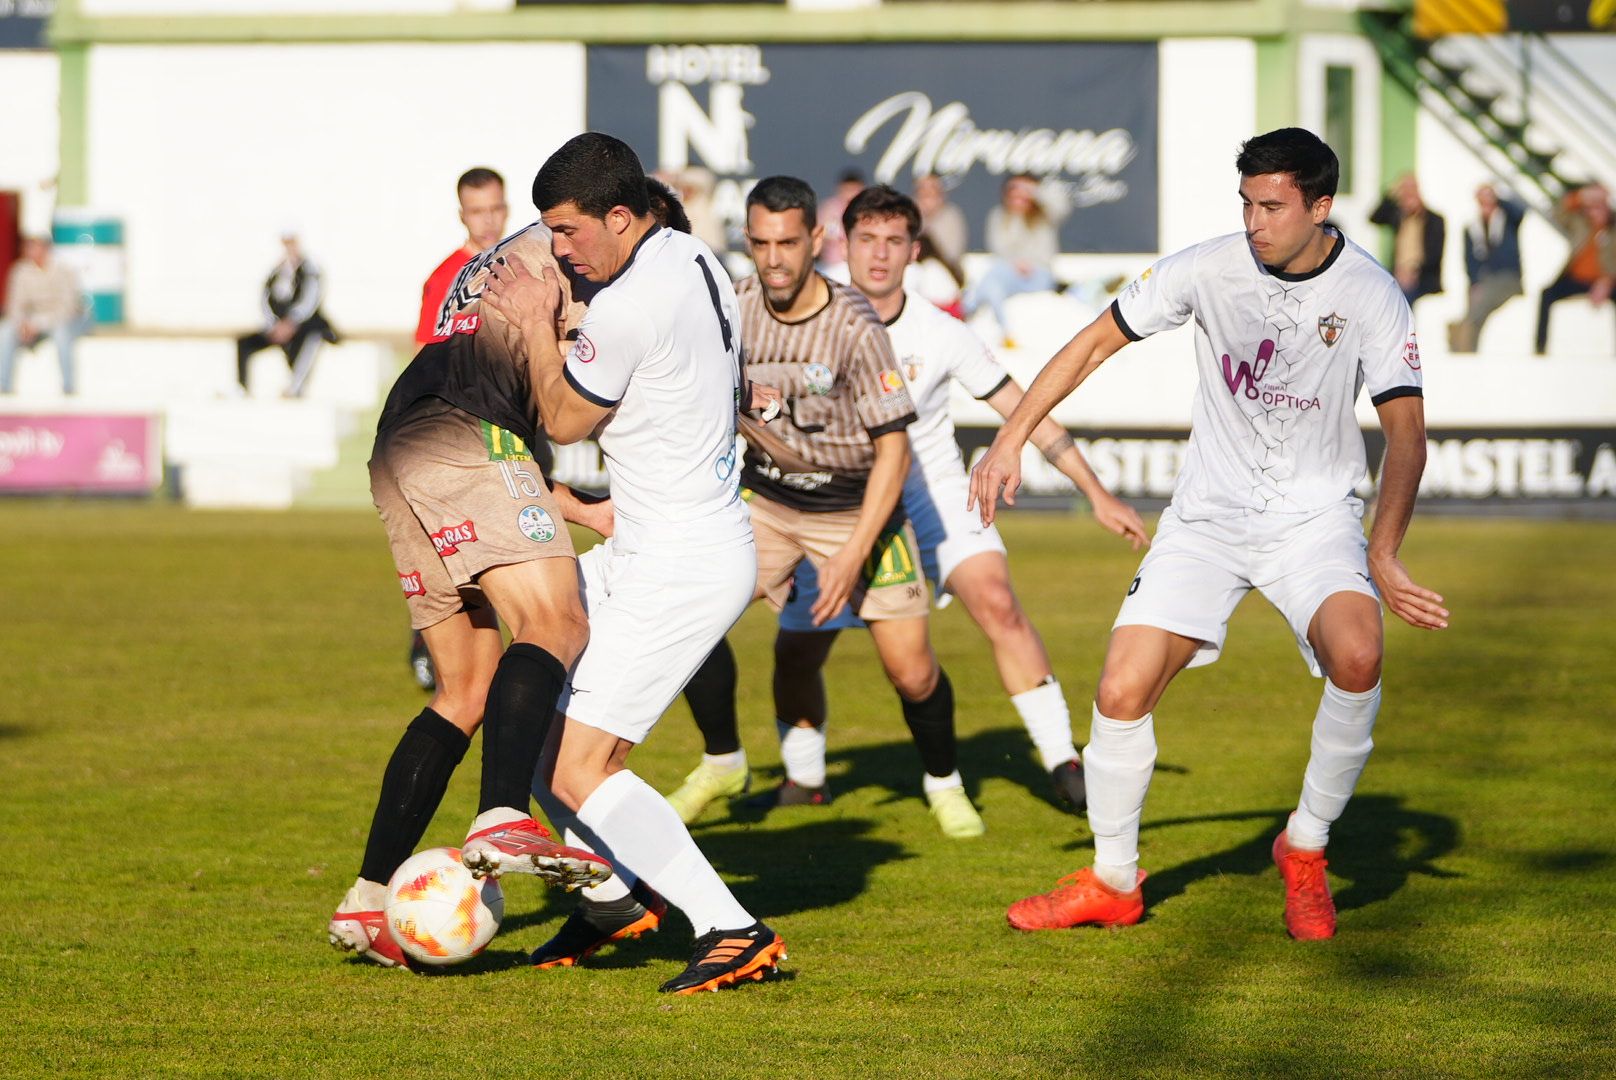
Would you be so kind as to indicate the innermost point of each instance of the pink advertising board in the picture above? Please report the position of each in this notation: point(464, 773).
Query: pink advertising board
point(79, 452)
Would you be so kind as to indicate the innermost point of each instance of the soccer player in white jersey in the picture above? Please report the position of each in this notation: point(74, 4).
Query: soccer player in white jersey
point(655, 370)
point(1291, 320)
point(959, 553)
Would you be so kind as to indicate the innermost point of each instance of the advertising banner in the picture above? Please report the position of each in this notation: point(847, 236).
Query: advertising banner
point(1498, 468)
point(1080, 115)
point(22, 23)
point(79, 452)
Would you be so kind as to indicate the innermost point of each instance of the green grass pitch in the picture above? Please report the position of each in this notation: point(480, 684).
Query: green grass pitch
point(197, 708)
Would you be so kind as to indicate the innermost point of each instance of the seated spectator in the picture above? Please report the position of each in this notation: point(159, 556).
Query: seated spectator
point(937, 279)
point(833, 251)
point(292, 318)
point(1584, 215)
point(941, 221)
point(1492, 250)
point(43, 300)
point(1420, 233)
point(1023, 238)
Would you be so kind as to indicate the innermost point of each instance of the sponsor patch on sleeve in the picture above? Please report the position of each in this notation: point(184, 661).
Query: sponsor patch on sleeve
point(1411, 352)
point(891, 382)
point(583, 350)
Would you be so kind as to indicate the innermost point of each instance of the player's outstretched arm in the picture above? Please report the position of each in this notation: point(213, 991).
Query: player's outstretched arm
point(1059, 448)
point(1403, 421)
point(882, 491)
point(533, 306)
point(999, 470)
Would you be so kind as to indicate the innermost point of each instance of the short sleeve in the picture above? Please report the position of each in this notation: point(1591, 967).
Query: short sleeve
point(972, 364)
point(881, 396)
point(1159, 299)
point(613, 340)
point(1389, 357)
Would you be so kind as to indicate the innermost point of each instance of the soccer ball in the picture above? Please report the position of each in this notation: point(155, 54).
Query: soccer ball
point(439, 914)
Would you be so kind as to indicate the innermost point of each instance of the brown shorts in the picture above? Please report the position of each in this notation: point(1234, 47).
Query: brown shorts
point(892, 586)
point(459, 496)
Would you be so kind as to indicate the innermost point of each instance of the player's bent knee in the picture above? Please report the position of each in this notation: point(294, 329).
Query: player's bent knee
point(1124, 695)
point(915, 682)
point(999, 613)
point(1356, 667)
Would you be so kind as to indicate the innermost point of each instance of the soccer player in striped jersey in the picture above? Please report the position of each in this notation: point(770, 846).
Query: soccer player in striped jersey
point(825, 484)
point(958, 552)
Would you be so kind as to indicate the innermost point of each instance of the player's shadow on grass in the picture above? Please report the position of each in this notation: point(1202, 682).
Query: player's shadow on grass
point(1376, 846)
point(1003, 753)
point(796, 864)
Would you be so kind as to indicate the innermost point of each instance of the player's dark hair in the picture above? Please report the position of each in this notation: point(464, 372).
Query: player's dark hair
point(1311, 163)
point(881, 202)
point(665, 205)
point(594, 172)
point(777, 194)
point(478, 177)
point(850, 175)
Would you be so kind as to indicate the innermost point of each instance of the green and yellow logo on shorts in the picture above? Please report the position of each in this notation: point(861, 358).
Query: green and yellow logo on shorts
point(891, 563)
point(504, 445)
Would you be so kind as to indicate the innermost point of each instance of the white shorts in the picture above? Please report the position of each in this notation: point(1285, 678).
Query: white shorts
point(947, 533)
point(1196, 572)
point(652, 621)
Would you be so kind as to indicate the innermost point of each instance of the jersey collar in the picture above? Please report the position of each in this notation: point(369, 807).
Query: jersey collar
point(1329, 261)
point(902, 304)
point(638, 244)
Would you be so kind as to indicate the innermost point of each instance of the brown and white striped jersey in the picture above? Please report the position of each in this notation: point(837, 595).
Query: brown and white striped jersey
point(481, 367)
point(841, 388)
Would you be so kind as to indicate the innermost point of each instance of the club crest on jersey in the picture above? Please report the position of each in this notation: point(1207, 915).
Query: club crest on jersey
point(584, 350)
point(536, 524)
point(448, 539)
point(891, 382)
point(818, 378)
point(411, 583)
point(911, 368)
point(1330, 328)
point(1411, 352)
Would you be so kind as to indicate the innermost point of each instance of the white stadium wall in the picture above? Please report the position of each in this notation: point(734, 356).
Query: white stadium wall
point(208, 152)
point(30, 135)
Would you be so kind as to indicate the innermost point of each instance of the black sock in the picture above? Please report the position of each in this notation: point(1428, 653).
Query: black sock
point(711, 694)
point(931, 722)
point(412, 787)
point(521, 706)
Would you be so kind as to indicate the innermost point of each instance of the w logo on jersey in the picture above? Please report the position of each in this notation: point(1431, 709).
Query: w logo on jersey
point(462, 295)
point(1245, 376)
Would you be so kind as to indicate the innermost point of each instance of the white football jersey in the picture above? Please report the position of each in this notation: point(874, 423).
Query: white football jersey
point(933, 347)
point(1281, 358)
point(661, 346)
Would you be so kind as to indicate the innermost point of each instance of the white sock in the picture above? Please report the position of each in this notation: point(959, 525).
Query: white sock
point(726, 762)
point(1043, 711)
point(646, 836)
point(372, 895)
point(1117, 764)
point(1341, 745)
point(802, 751)
point(499, 815)
point(930, 783)
point(575, 833)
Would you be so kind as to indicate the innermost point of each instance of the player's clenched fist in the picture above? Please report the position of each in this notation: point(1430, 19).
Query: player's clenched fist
point(998, 471)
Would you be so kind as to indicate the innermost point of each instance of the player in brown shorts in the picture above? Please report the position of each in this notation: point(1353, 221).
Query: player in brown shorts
point(474, 525)
point(825, 482)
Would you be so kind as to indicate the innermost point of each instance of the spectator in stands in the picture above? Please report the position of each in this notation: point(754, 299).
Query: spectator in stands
point(483, 212)
point(292, 317)
point(833, 250)
point(1418, 235)
point(1492, 250)
point(1584, 215)
point(1023, 238)
point(941, 221)
point(43, 300)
